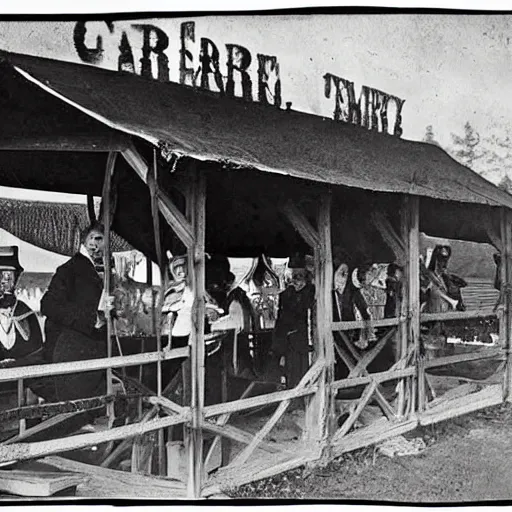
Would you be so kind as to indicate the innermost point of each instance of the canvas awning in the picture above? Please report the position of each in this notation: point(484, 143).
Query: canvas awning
point(250, 135)
point(232, 136)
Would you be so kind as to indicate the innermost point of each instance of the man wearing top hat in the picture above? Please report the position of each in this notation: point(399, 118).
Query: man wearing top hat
point(76, 324)
point(21, 340)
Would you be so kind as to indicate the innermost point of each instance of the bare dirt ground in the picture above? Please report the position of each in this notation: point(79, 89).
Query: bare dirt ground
point(467, 459)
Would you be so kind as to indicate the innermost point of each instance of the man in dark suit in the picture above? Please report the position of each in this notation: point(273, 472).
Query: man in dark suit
point(294, 321)
point(76, 324)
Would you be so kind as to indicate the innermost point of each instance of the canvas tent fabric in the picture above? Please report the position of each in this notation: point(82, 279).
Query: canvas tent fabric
point(206, 126)
point(55, 227)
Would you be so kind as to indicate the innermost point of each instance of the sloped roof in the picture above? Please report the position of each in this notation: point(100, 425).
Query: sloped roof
point(208, 127)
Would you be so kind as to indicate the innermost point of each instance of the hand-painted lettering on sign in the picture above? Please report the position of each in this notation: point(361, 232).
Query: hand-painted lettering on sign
point(206, 73)
point(374, 109)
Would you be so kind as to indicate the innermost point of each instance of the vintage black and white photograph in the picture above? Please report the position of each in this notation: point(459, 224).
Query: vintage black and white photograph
point(256, 255)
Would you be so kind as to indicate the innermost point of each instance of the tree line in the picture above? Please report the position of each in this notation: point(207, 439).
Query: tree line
point(490, 155)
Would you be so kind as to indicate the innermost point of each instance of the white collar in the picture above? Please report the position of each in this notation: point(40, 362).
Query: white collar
point(83, 252)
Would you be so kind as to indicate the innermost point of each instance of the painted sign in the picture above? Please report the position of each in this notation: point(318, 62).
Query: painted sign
point(374, 110)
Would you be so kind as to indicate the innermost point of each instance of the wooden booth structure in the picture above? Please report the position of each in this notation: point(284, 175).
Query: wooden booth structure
point(194, 172)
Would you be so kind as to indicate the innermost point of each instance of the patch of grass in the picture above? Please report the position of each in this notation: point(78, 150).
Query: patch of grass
point(305, 482)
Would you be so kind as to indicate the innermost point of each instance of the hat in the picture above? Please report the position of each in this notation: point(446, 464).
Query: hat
point(9, 258)
point(297, 261)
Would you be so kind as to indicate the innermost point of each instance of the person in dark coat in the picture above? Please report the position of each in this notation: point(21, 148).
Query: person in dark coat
point(76, 323)
point(21, 340)
point(292, 330)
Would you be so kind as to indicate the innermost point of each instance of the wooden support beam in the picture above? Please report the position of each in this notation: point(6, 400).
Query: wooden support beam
point(458, 315)
point(45, 370)
point(394, 241)
point(379, 397)
point(312, 374)
point(412, 209)
point(237, 434)
point(84, 143)
point(480, 355)
point(196, 258)
point(379, 377)
point(301, 224)
point(121, 483)
point(258, 401)
point(320, 411)
point(506, 307)
point(361, 324)
point(223, 420)
point(362, 403)
point(172, 215)
point(108, 215)
point(24, 451)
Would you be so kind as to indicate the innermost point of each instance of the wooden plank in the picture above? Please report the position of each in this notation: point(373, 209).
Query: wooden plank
point(361, 324)
point(392, 239)
point(24, 451)
point(107, 221)
point(242, 457)
point(412, 204)
point(320, 417)
point(379, 377)
point(196, 258)
point(47, 425)
point(301, 224)
point(379, 397)
point(451, 394)
point(270, 398)
point(122, 483)
point(38, 483)
point(489, 353)
point(172, 215)
point(375, 433)
point(237, 434)
point(370, 355)
point(491, 395)
point(223, 420)
point(86, 143)
point(45, 370)
point(458, 315)
point(232, 477)
point(506, 265)
point(403, 330)
point(168, 405)
point(362, 403)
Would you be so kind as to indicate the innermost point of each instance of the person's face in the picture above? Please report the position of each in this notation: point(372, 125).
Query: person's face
point(298, 279)
point(95, 245)
point(7, 281)
point(179, 273)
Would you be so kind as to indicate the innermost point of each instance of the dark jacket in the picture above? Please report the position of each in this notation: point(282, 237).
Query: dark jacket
point(71, 301)
point(345, 302)
point(291, 329)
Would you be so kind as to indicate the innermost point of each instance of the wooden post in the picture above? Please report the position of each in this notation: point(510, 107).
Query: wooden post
point(320, 419)
point(153, 187)
point(506, 274)
point(403, 332)
point(196, 259)
point(413, 279)
point(107, 220)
